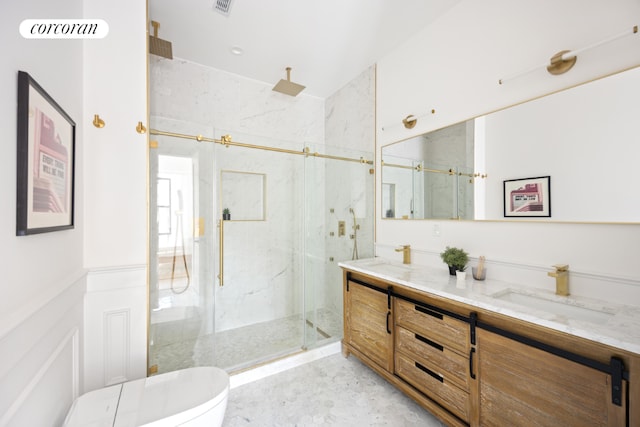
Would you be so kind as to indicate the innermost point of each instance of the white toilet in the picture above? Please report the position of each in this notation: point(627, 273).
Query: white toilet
point(189, 397)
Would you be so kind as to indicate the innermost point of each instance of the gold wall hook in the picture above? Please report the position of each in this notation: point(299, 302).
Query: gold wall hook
point(97, 121)
point(140, 128)
point(410, 121)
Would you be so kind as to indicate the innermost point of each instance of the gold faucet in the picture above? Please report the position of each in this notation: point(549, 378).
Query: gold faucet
point(406, 253)
point(562, 278)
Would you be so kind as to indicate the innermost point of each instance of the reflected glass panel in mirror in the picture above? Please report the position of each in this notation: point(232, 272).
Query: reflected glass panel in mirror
point(585, 138)
point(430, 176)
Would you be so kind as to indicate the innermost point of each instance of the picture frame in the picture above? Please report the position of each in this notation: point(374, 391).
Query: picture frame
point(45, 161)
point(527, 197)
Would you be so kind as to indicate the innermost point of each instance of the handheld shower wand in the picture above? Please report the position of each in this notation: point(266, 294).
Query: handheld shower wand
point(175, 247)
point(356, 227)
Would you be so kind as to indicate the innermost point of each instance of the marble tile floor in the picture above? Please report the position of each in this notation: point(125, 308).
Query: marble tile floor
point(177, 344)
point(334, 391)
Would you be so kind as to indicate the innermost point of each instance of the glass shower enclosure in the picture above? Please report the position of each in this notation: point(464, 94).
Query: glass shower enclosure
point(245, 241)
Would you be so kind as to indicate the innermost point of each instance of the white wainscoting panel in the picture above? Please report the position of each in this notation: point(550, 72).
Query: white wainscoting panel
point(117, 335)
point(40, 360)
point(115, 344)
point(56, 381)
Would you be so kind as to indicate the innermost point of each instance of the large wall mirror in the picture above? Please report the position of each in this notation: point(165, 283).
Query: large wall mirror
point(586, 139)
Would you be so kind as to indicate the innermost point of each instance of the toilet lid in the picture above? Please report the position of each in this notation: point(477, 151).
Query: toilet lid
point(186, 393)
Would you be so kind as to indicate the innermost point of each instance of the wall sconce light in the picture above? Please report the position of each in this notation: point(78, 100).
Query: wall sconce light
point(97, 121)
point(564, 60)
point(560, 65)
point(410, 121)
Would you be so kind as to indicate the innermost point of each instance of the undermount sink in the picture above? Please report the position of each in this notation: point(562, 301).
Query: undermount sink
point(387, 267)
point(557, 305)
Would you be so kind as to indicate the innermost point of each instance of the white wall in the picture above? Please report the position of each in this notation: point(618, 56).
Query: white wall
point(44, 315)
point(453, 66)
point(115, 87)
point(42, 275)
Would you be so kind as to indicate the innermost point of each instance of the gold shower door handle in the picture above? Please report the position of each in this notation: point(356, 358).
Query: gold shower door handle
point(221, 254)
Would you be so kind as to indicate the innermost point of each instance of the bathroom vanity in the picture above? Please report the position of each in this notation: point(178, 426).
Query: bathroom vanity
point(490, 353)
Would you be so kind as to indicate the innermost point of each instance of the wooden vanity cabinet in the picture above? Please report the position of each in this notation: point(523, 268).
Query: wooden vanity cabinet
point(368, 326)
point(474, 367)
point(524, 386)
point(418, 350)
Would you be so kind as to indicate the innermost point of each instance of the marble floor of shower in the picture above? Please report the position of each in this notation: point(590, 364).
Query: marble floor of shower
point(176, 344)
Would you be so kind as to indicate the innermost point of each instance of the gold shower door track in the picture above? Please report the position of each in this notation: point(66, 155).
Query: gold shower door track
point(420, 168)
point(226, 141)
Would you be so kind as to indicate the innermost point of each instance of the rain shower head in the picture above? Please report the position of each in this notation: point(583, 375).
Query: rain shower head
point(287, 86)
point(158, 46)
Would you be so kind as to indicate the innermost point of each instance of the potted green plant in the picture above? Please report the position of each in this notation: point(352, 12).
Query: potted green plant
point(455, 258)
point(226, 214)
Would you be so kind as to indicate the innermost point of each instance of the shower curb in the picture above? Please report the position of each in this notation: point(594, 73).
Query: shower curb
point(281, 365)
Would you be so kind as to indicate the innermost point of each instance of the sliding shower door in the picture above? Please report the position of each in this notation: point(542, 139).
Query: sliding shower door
point(245, 241)
point(181, 245)
point(258, 296)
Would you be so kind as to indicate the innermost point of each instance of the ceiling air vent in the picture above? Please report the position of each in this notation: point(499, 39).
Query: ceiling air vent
point(223, 6)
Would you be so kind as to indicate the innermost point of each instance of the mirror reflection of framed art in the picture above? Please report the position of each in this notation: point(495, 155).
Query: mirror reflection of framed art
point(529, 197)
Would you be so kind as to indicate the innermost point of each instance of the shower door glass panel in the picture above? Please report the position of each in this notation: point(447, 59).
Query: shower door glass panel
point(337, 191)
point(258, 308)
point(181, 275)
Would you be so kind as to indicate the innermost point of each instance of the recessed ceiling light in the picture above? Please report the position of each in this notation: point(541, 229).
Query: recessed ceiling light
point(237, 50)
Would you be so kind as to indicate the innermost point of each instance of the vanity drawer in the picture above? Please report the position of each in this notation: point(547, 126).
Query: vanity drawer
point(434, 383)
point(445, 330)
point(427, 351)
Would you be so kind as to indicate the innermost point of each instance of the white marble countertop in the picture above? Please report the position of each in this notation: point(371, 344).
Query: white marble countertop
point(600, 321)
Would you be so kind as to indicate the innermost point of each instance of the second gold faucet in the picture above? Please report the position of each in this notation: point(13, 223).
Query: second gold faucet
point(561, 274)
point(406, 253)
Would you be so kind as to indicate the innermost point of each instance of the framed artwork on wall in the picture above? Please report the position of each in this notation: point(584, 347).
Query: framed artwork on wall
point(45, 161)
point(527, 197)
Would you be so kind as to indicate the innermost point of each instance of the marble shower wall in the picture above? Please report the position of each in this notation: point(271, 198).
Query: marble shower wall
point(264, 259)
point(186, 91)
point(350, 132)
